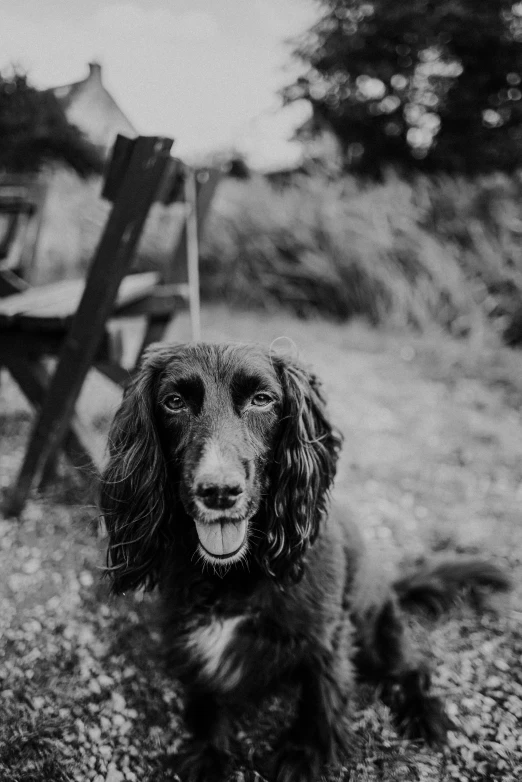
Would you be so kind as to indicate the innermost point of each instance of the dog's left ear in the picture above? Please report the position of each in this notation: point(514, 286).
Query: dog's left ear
point(303, 470)
point(134, 487)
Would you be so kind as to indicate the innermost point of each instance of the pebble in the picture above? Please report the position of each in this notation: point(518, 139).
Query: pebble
point(118, 702)
point(86, 579)
point(113, 775)
point(105, 681)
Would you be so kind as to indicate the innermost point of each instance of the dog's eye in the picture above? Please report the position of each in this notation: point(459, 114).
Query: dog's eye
point(261, 400)
point(174, 403)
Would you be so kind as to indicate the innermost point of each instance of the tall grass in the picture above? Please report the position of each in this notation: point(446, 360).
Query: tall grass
point(443, 252)
point(434, 251)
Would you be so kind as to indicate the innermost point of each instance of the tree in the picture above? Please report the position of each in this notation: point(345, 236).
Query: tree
point(430, 84)
point(34, 131)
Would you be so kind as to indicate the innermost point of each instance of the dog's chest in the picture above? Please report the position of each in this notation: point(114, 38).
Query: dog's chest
point(213, 646)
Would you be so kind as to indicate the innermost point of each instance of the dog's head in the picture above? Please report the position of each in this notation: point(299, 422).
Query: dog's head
point(219, 450)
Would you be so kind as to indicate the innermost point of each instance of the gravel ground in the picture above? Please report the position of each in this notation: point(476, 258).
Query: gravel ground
point(432, 463)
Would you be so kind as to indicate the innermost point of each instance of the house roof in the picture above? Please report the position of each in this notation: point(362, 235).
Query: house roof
point(90, 106)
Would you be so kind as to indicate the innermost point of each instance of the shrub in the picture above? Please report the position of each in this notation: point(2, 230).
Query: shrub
point(435, 251)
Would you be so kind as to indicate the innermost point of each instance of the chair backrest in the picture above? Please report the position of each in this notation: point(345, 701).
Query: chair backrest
point(173, 188)
point(139, 183)
point(21, 206)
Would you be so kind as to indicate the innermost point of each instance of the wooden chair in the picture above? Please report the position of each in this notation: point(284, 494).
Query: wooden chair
point(68, 319)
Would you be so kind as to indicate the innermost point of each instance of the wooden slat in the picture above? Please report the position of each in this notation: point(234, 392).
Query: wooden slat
point(15, 205)
point(115, 372)
point(11, 284)
point(31, 298)
point(132, 289)
point(163, 300)
point(157, 326)
point(118, 163)
point(59, 301)
point(16, 342)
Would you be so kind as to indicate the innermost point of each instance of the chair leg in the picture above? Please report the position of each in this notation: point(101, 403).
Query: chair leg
point(81, 448)
point(33, 379)
point(49, 473)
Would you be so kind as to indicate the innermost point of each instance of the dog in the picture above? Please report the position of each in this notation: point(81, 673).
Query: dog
point(216, 491)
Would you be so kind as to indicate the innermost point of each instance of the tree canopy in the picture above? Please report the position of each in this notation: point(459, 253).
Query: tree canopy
point(34, 131)
point(430, 84)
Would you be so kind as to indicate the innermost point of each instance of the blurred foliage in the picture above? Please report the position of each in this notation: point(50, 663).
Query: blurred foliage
point(418, 84)
point(34, 131)
point(229, 160)
point(436, 251)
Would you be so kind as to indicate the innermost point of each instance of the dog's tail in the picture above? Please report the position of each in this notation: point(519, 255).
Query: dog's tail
point(437, 587)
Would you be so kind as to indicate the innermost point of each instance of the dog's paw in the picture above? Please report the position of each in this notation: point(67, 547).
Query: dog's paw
point(417, 713)
point(296, 762)
point(200, 762)
point(428, 722)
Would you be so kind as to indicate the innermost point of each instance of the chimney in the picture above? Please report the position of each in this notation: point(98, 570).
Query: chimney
point(94, 72)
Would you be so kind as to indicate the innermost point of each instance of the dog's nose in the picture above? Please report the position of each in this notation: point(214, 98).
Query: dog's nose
point(217, 496)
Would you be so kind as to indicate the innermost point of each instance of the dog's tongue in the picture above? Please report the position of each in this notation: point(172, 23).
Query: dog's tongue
point(221, 538)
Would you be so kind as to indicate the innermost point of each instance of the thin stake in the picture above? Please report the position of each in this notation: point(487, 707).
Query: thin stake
point(193, 254)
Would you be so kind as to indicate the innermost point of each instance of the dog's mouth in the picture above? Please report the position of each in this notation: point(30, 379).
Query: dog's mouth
point(223, 539)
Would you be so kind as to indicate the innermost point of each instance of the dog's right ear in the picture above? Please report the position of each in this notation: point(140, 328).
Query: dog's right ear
point(133, 495)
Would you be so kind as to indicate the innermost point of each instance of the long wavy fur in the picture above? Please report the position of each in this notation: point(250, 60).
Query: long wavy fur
point(303, 470)
point(135, 491)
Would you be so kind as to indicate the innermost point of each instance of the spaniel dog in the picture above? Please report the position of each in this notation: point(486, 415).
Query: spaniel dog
point(221, 459)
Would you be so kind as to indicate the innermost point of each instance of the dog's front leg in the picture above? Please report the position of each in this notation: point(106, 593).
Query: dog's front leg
point(318, 734)
point(206, 756)
point(386, 657)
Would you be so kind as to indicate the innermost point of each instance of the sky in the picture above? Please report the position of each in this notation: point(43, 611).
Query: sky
point(205, 72)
